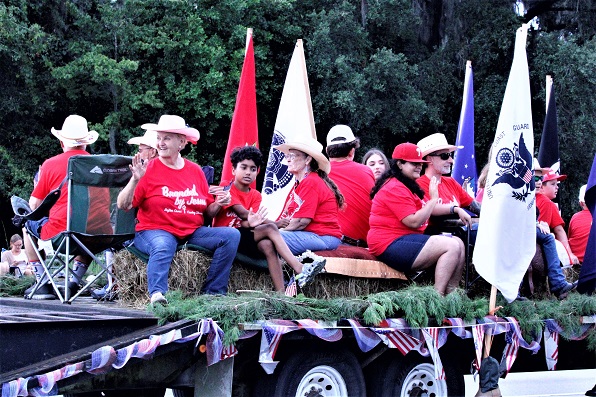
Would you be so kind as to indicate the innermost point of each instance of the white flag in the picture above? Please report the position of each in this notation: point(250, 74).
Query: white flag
point(506, 239)
point(294, 117)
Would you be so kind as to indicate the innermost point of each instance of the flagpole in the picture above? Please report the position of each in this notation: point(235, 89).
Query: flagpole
point(549, 86)
point(488, 341)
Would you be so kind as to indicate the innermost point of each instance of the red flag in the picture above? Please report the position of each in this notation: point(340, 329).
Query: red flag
point(244, 130)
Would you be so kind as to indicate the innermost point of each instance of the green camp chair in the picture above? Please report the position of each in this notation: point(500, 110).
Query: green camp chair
point(94, 222)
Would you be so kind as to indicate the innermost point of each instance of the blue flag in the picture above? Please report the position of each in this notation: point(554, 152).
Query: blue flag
point(548, 154)
point(464, 167)
point(587, 274)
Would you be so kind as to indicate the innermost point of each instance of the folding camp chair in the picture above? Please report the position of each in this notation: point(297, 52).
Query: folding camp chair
point(94, 223)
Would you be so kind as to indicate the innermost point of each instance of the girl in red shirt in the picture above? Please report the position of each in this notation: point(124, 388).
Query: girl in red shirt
point(398, 219)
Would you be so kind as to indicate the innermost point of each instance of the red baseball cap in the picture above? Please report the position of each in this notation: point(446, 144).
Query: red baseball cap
point(408, 152)
point(551, 175)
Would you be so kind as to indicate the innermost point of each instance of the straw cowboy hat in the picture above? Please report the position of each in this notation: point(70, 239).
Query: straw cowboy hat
point(311, 147)
point(149, 139)
point(434, 143)
point(176, 125)
point(74, 132)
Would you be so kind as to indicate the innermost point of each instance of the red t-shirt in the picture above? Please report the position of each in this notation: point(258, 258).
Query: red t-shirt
point(548, 211)
point(450, 192)
point(579, 231)
point(392, 203)
point(172, 200)
point(51, 174)
point(355, 181)
point(227, 217)
point(313, 199)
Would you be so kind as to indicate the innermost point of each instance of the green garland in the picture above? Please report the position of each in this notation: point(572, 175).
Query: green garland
point(417, 305)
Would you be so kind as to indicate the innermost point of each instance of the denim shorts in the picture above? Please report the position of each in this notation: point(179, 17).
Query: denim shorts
point(403, 251)
point(34, 227)
point(248, 245)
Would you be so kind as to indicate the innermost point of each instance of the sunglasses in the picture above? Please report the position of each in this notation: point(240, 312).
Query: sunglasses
point(443, 156)
point(537, 178)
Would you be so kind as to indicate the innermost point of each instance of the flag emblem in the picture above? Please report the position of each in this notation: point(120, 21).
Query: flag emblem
point(514, 169)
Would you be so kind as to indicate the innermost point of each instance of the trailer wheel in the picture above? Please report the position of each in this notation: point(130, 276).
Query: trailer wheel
point(320, 373)
point(412, 376)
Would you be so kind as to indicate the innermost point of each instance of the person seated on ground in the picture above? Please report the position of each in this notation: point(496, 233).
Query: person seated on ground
point(548, 211)
point(557, 283)
point(354, 180)
point(16, 258)
point(453, 198)
point(376, 161)
point(172, 198)
point(74, 138)
point(579, 227)
point(147, 149)
point(312, 209)
point(399, 216)
point(258, 235)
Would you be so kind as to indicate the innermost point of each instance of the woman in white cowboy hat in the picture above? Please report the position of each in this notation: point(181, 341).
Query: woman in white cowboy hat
point(398, 218)
point(454, 198)
point(147, 144)
point(172, 197)
point(313, 207)
point(74, 138)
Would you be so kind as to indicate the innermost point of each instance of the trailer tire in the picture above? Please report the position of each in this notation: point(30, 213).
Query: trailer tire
point(412, 375)
point(336, 373)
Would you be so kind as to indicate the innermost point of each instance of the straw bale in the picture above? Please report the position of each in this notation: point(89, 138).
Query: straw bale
point(189, 268)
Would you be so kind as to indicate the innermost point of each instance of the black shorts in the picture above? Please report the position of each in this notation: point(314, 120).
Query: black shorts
point(248, 245)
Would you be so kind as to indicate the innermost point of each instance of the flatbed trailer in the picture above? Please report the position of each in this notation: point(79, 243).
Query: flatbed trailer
point(90, 349)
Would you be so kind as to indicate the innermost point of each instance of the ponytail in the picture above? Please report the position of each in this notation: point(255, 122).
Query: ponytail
point(339, 198)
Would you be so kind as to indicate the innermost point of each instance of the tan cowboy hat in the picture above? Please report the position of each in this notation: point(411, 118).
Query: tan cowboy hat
point(149, 139)
point(310, 146)
point(434, 143)
point(175, 125)
point(538, 170)
point(74, 132)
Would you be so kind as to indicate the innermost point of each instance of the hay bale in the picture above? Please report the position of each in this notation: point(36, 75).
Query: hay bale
point(189, 269)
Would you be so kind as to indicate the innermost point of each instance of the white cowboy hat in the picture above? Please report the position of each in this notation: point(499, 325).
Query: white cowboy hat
point(310, 146)
point(149, 139)
point(434, 143)
point(176, 125)
point(74, 132)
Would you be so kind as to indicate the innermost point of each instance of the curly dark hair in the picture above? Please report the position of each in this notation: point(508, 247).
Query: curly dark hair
point(395, 172)
point(246, 153)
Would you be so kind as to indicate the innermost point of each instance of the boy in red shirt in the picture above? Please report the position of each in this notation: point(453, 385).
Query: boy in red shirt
point(254, 227)
point(548, 211)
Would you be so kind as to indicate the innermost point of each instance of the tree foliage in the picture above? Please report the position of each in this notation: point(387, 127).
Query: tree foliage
point(392, 69)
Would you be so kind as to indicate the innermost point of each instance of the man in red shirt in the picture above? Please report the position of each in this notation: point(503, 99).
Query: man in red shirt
point(74, 138)
point(548, 211)
point(579, 227)
point(354, 180)
point(453, 198)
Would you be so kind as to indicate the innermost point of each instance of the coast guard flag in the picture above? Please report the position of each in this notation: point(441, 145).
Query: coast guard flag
point(244, 130)
point(587, 274)
point(294, 117)
point(506, 241)
point(464, 166)
point(548, 154)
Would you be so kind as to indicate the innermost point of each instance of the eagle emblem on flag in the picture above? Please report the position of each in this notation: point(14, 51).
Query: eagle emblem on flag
point(514, 169)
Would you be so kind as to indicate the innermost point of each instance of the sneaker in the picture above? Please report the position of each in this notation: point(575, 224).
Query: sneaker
point(158, 299)
point(311, 266)
point(73, 288)
point(105, 293)
point(45, 292)
point(563, 292)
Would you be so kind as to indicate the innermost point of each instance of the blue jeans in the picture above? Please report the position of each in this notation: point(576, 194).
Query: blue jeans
point(161, 247)
point(556, 278)
point(299, 241)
